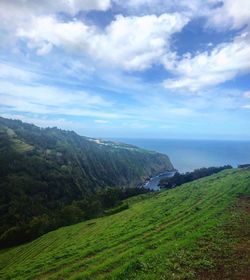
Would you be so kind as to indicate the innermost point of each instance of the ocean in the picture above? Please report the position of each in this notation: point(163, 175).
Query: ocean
point(187, 155)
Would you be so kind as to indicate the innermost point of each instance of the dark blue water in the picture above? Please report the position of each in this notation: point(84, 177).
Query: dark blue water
point(187, 155)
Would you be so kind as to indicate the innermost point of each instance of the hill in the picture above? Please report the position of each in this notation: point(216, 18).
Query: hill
point(199, 230)
point(45, 171)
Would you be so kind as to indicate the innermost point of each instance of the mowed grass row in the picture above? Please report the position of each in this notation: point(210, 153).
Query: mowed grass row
point(158, 237)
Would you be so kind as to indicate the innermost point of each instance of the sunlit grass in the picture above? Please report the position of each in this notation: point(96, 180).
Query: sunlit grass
point(158, 236)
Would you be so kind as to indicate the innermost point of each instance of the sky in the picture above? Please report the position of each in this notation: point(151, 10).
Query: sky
point(128, 69)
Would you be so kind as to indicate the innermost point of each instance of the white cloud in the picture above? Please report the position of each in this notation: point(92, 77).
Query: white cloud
point(72, 36)
point(8, 71)
point(135, 43)
point(246, 106)
point(48, 95)
point(45, 49)
point(44, 121)
point(132, 43)
point(223, 63)
point(246, 94)
point(40, 99)
point(230, 14)
point(19, 10)
point(16, 14)
point(101, 121)
point(219, 13)
point(190, 8)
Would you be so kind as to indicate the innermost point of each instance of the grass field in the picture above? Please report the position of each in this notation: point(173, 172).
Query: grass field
point(20, 146)
point(197, 231)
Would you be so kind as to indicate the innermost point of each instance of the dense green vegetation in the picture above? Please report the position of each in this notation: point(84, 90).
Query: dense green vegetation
point(243, 165)
point(179, 179)
point(51, 177)
point(197, 231)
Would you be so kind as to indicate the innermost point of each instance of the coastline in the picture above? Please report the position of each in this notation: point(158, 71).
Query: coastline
point(152, 182)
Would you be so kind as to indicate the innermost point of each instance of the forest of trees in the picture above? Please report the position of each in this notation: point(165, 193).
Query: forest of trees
point(179, 179)
point(247, 165)
point(51, 177)
point(24, 226)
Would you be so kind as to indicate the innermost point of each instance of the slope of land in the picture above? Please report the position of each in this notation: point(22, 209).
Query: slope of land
point(43, 171)
point(199, 230)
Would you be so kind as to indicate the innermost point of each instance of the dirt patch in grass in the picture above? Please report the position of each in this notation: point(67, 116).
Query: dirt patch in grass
point(231, 255)
point(244, 203)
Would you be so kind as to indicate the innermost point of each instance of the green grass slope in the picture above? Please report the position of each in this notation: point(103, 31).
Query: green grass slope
point(189, 232)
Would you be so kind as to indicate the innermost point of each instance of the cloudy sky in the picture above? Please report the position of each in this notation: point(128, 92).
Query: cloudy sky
point(135, 68)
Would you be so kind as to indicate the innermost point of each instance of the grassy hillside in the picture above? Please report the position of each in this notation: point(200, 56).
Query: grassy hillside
point(43, 172)
point(197, 231)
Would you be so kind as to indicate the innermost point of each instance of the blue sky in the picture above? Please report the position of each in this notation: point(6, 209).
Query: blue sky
point(140, 69)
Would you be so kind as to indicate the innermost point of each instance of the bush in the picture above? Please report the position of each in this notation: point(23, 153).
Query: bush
point(179, 179)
